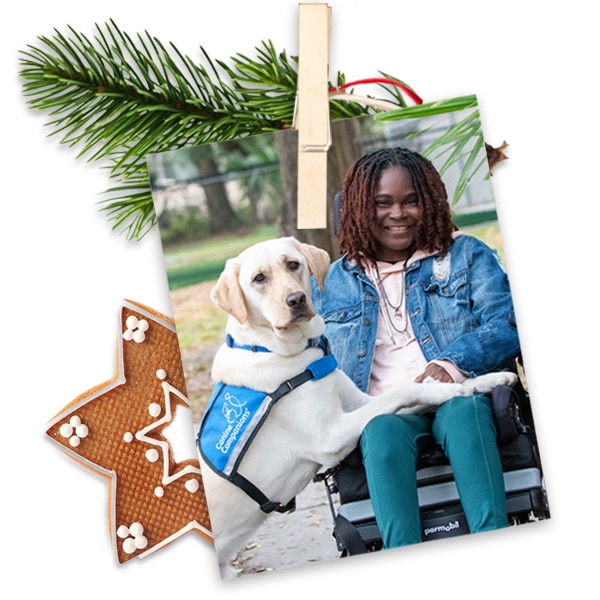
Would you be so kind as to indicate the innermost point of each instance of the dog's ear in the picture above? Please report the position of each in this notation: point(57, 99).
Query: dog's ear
point(227, 293)
point(318, 260)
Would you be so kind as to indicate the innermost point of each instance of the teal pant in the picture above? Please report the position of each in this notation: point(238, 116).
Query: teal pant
point(464, 428)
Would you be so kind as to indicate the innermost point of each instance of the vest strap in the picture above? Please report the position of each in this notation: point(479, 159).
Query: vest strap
point(266, 505)
point(316, 370)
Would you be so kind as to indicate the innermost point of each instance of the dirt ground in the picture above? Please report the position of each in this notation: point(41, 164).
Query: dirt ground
point(195, 316)
point(287, 540)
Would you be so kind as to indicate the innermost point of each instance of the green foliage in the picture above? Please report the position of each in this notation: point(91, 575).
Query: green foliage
point(116, 98)
point(461, 141)
point(182, 225)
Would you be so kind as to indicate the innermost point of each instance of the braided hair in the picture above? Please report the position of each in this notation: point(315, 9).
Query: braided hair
point(357, 221)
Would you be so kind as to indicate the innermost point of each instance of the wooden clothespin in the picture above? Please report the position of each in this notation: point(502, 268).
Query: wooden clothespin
point(312, 114)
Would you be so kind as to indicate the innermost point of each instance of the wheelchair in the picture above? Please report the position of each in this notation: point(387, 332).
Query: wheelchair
point(354, 526)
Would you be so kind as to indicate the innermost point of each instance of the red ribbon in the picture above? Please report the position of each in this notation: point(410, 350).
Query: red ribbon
point(414, 97)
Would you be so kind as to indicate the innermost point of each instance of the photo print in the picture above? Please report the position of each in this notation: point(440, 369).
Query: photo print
point(356, 388)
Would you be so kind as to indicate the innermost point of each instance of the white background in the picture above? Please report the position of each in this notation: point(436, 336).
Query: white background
point(533, 66)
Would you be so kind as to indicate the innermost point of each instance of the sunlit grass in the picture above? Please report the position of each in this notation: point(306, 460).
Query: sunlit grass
point(204, 260)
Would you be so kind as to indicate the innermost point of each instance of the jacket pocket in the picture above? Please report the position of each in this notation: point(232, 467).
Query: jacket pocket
point(343, 315)
point(448, 307)
point(342, 329)
point(448, 288)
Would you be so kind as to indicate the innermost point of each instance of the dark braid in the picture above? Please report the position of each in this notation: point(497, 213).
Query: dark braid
point(357, 222)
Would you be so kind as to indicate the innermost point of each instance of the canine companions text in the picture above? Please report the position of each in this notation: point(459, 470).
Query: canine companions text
point(273, 336)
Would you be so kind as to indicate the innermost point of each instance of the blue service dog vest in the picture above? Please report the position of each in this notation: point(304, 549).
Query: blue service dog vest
point(232, 419)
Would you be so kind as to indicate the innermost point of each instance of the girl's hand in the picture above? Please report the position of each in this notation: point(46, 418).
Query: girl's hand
point(435, 372)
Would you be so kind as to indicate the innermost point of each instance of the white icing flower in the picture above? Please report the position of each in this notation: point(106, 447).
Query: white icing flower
point(75, 430)
point(136, 329)
point(133, 537)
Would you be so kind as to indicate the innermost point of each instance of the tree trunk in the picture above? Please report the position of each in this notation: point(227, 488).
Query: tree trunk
point(346, 148)
point(220, 214)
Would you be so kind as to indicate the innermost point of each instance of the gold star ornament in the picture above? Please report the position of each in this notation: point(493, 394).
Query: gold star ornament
point(136, 431)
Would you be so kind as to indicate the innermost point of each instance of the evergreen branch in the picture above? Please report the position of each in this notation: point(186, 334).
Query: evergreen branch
point(117, 98)
point(432, 108)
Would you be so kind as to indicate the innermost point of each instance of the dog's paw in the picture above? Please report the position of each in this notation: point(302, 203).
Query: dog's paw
point(486, 383)
point(437, 392)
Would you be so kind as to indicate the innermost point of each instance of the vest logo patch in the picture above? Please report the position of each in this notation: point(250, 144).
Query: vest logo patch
point(232, 415)
point(232, 407)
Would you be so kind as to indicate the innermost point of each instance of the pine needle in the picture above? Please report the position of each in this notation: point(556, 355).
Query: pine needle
point(116, 98)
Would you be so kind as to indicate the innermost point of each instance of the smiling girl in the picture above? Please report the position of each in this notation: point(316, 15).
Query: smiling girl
point(414, 299)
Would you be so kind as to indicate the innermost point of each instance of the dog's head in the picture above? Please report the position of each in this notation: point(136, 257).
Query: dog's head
point(268, 284)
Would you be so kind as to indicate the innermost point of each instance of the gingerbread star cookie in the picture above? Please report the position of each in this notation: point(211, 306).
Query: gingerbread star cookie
point(136, 431)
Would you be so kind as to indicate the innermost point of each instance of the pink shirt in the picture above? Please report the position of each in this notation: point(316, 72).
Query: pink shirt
point(398, 357)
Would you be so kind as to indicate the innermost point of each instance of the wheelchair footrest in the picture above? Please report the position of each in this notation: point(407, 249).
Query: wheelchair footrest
point(438, 494)
point(441, 512)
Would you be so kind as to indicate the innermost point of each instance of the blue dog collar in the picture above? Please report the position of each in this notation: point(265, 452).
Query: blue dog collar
point(320, 342)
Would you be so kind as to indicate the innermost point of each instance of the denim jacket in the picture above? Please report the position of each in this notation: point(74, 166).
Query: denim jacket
point(460, 308)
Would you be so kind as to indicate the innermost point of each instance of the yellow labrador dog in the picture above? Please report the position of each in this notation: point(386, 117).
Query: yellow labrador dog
point(271, 331)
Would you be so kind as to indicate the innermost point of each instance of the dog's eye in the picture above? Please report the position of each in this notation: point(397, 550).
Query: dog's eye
point(260, 278)
point(293, 265)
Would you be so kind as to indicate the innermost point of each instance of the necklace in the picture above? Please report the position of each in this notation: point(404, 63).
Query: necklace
point(387, 304)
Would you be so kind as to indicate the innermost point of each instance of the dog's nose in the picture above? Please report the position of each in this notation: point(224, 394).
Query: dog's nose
point(296, 299)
